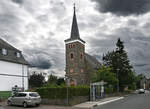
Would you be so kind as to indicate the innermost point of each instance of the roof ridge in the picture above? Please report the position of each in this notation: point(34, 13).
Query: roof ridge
point(4, 44)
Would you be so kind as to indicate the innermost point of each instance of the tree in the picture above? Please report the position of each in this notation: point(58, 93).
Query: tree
point(105, 74)
point(36, 80)
point(52, 80)
point(138, 80)
point(60, 81)
point(120, 64)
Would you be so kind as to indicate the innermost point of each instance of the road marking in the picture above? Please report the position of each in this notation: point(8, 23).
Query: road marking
point(102, 103)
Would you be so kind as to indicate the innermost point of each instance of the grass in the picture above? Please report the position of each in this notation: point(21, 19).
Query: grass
point(5, 94)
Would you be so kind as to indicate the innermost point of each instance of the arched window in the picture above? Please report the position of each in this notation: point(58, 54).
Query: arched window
point(71, 55)
point(82, 70)
point(71, 70)
point(81, 55)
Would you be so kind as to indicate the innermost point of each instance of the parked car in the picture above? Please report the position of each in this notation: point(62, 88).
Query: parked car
point(141, 91)
point(1, 107)
point(25, 99)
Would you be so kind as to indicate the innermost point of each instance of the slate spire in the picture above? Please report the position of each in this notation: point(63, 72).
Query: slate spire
point(74, 30)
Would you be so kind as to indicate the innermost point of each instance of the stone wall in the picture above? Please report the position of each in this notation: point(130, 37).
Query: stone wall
point(72, 101)
point(75, 66)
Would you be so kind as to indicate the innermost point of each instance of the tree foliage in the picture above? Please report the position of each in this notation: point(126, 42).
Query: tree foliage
point(120, 64)
point(105, 74)
point(36, 80)
point(138, 80)
point(53, 80)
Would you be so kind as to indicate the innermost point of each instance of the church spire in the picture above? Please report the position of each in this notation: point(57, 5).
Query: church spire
point(74, 30)
point(75, 36)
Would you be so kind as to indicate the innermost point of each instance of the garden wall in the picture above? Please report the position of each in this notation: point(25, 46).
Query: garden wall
point(58, 95)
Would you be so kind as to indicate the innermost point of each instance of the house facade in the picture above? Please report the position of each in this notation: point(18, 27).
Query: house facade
point(13, 67)
point(79, 64)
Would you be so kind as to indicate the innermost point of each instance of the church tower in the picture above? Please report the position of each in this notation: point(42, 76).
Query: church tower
point(75, 56)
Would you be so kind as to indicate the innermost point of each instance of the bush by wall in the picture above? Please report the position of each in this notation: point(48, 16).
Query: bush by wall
point(60, 92)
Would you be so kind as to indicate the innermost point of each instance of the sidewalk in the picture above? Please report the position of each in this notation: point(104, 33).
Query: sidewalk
point(91, 104)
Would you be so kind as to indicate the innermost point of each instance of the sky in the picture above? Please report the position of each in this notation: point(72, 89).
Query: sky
point(39, 27)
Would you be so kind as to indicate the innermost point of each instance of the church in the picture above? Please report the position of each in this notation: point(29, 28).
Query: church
point(13, 67)
point(79, 65)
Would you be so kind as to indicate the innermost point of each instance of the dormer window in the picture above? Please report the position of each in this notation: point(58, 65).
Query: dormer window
point(4, 51)
point(18, 55)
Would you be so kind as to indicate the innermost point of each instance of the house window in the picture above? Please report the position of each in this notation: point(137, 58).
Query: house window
point(18, 55)
point(71, 55)
point(4, 51)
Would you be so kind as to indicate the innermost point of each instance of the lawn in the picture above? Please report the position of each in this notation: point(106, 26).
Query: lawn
point(5, 94)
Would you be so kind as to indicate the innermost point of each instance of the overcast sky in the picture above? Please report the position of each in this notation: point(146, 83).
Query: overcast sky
point(39, 27)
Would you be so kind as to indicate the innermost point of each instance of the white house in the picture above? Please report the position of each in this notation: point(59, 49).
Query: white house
point(13, 67)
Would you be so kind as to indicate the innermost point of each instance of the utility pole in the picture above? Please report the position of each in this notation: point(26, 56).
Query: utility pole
point(118, 80)
point(67, 83)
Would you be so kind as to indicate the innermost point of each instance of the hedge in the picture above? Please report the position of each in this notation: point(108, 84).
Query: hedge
point(60, 92)
point(109, 90)
point(5, 94)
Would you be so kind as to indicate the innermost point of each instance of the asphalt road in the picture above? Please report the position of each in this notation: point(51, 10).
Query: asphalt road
point(5, 106)
point(135, 101)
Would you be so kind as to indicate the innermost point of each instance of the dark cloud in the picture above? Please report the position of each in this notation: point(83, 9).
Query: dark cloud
point(18, 1)
point(141, 65)
point(38, 58)
point(123, 7)
point(41, 63)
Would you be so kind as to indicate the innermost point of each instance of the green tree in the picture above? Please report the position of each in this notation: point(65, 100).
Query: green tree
point(60, 81)
point(138, 80)
point(120, 64)
point(36, 80)
point(52, 80)
point(105, 74)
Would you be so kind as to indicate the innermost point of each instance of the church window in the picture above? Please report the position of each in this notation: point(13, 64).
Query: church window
point(4, 51)
point(69, 46)
point(82, 70)
point(71, 70)
point(81, 55)
point(71, 55)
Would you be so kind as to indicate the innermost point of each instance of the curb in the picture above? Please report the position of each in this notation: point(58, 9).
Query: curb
point(109, 101)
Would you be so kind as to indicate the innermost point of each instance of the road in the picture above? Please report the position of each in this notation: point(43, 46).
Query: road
point(135, 101)
point(5, 106)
